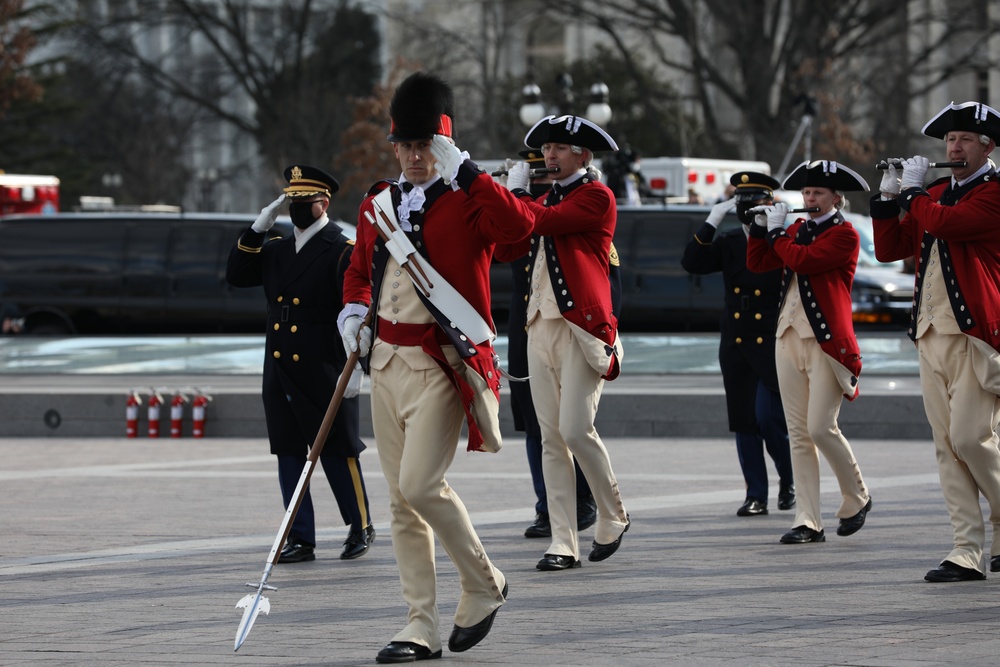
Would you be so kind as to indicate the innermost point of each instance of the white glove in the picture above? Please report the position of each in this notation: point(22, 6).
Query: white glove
point(719, 211)
point(448, 157)
point(519, 176)
point(760, 215)
point(356, 338)
point(890, 179)
point(267, 216)
point(776, 215)
point(507, 165)
point(914, 171)
point(354, 383)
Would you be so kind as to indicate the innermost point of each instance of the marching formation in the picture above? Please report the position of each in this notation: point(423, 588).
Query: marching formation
point(409, 300)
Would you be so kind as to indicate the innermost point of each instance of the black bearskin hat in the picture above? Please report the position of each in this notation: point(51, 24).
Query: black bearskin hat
point(422, 106)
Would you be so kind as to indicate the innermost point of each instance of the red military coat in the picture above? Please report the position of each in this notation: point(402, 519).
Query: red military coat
point(968, 235)
point(825, 265)
point(456, 231)
point(579, 221)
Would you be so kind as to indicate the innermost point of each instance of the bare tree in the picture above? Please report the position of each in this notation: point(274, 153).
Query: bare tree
point(16, 42)
point(282, 74)
point(764, 58)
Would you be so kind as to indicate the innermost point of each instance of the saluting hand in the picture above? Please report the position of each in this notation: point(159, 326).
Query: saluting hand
point(719, 211)
point(267, 216)
point(448, 157)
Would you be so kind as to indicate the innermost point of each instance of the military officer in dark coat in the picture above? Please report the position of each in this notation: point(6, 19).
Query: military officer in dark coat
point(302, 276)
point(746, 344)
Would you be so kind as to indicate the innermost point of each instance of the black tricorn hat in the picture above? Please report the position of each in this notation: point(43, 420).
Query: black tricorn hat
point(753, 184)
point(824, 174)
point(532, 155)
point(572, 130)
point(306, 181)
point(422, 106)
point(965, 117)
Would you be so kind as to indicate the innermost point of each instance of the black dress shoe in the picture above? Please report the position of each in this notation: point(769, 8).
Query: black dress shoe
point(462, 639)
point(786, 497)
point(752, 507)
point(297, 552)
point(586, 513)
point(994, 563)
point(405, 652)
point(948, 572)
point(602, 551)
point(357, 543)
point(541, 527)
point(802, 535)
point(853, 524)
point(552, 562)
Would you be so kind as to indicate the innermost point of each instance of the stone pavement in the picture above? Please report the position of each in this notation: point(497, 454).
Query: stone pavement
point(135, 552)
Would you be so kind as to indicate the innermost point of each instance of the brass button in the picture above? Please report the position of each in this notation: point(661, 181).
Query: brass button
point(736, 316)
point(295, 328)
point(738, 340)
point(280, 299)
point(756, 317)
point(295, 301)
point(276, 326)
point(760, 340)
point(756, 292)
point(277, 355)
point(736, 290)
point(295, 357)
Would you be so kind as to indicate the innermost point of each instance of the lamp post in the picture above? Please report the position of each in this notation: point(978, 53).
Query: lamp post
point(207, 179)
point(533, 109)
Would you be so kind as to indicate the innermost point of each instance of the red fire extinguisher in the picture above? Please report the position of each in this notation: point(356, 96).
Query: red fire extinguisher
point(153, 413)
point(132, 404)
point(198, 414)
point(177, 414)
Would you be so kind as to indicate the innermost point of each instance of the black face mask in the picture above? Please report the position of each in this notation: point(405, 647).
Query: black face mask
point(744, 203)
point(301, 213)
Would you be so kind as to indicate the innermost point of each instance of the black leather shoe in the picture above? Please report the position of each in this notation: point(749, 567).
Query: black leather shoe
point(358, 542)
point(586, 513)
point(994, 563)
point(948, 573)
point(786, 497)
point(802, 535)
point(853, 524)
point(297, 552)
point(602, 551)
point(405, 652)
point(462, 639)
point(752, 507)
point(541, 527)
point(552, 562)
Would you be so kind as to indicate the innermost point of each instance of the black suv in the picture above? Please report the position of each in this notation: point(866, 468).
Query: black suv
point(119, 273)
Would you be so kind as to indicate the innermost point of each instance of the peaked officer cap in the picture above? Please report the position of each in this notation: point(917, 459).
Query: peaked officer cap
point(532, 156)
point(824, 174)
point(572, 130)
point(965, 117)
point(306, 181)
point(753, 184)
point(422, 106)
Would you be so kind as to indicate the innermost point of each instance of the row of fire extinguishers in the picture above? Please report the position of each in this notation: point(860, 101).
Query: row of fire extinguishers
point(197, 399)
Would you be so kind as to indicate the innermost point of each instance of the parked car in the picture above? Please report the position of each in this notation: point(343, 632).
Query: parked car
point(659, 295)
point(127, 273)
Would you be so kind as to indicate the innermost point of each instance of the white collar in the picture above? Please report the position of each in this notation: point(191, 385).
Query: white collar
point(979, 172)
point(302, 236)
point(572, 178)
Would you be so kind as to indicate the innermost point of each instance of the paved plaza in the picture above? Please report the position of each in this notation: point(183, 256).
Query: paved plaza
point(135, 552)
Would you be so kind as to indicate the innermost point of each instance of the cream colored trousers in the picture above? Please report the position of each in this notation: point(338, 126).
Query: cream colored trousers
point(812, 398)
point(963, 418)
point(566, 392)
point(417, 417)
